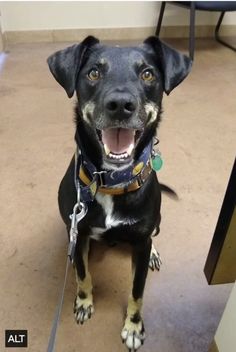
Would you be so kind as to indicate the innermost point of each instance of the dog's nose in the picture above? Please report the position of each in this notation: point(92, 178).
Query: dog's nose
point(120, 105)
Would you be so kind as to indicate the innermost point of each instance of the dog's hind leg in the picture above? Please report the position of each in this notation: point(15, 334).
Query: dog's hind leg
point(155, 259)
point(83, 305)
point(133, 333)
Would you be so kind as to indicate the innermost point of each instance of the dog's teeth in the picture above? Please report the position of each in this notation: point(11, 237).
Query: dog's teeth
point(130, 149)
point(125, 156)
point(118, 156)
point(107, 150)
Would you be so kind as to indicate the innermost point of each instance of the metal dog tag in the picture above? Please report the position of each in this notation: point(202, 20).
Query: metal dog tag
point(75, 217)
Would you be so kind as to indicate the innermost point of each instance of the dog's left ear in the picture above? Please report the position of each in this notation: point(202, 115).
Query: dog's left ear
point(65, 64)
point(174, 65)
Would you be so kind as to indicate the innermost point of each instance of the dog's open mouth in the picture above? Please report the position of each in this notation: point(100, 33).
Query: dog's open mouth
point(119, 143)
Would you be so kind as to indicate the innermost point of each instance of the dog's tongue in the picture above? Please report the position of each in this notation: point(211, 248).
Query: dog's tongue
point(118, 140)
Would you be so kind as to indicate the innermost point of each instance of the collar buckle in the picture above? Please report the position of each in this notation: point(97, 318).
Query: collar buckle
point(100, 177)
point(140, 179)
point(143, 175)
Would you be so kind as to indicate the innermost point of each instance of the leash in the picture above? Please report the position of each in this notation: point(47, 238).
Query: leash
point(52, 338)
point(79, 211)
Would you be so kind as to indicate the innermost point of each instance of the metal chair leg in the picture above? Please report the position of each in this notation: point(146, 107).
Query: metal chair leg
point(192, 31)
point(217, 37)
point(158, 29)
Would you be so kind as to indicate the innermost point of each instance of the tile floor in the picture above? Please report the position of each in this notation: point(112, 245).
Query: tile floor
point(197, 141)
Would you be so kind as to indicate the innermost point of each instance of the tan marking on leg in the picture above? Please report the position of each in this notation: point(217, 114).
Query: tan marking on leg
point(83, 306)
point(86, 284)
point(134, 305)
point(155, 259)
point(133, 333)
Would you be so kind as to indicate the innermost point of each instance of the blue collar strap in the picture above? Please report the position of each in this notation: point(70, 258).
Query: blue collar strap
point(112, 182)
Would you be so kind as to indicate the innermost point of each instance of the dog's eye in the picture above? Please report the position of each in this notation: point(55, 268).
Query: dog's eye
point(94, 74)
point(147, 75)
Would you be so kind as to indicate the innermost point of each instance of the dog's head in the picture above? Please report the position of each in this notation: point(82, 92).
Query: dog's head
point(119, 91)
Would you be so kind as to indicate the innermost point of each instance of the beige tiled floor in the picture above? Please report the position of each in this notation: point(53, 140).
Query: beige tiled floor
point(197, 137)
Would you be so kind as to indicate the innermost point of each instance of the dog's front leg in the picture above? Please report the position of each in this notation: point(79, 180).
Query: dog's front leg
point(133, 333)
point(83, 306)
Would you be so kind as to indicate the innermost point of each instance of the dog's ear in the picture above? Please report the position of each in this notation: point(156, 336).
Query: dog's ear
point(65, 64)
point(174, 65)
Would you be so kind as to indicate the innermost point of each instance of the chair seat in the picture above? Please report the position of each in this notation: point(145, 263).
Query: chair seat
point(210, 5)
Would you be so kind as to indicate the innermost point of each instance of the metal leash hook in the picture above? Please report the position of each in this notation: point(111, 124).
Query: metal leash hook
point(79, 211)
point(75, 217)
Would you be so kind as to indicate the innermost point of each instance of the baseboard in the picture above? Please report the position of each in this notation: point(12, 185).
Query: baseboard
point(213, 347)
point(75, 35)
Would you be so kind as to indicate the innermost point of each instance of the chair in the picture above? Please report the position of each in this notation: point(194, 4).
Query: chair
point(221, 6)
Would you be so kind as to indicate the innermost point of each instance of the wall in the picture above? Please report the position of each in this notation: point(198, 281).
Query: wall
point(45, 21)
point(1, 37)
point(18, 16)
point(225, 337)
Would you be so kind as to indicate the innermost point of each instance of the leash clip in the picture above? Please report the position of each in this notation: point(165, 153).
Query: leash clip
point(75, 217)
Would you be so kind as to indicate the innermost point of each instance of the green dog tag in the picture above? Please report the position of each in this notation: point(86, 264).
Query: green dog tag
point(156, 162)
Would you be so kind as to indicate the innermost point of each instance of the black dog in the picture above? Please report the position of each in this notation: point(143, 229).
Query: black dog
point(119, 93)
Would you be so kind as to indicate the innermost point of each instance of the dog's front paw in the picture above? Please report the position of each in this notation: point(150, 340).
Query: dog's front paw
point(83, 308)
point(133, 334)
point(155, 259)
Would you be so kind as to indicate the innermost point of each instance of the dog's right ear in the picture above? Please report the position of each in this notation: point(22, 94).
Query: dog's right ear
point(65, 64)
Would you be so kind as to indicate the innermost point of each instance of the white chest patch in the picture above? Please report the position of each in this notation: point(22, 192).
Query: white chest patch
point(111, 220)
